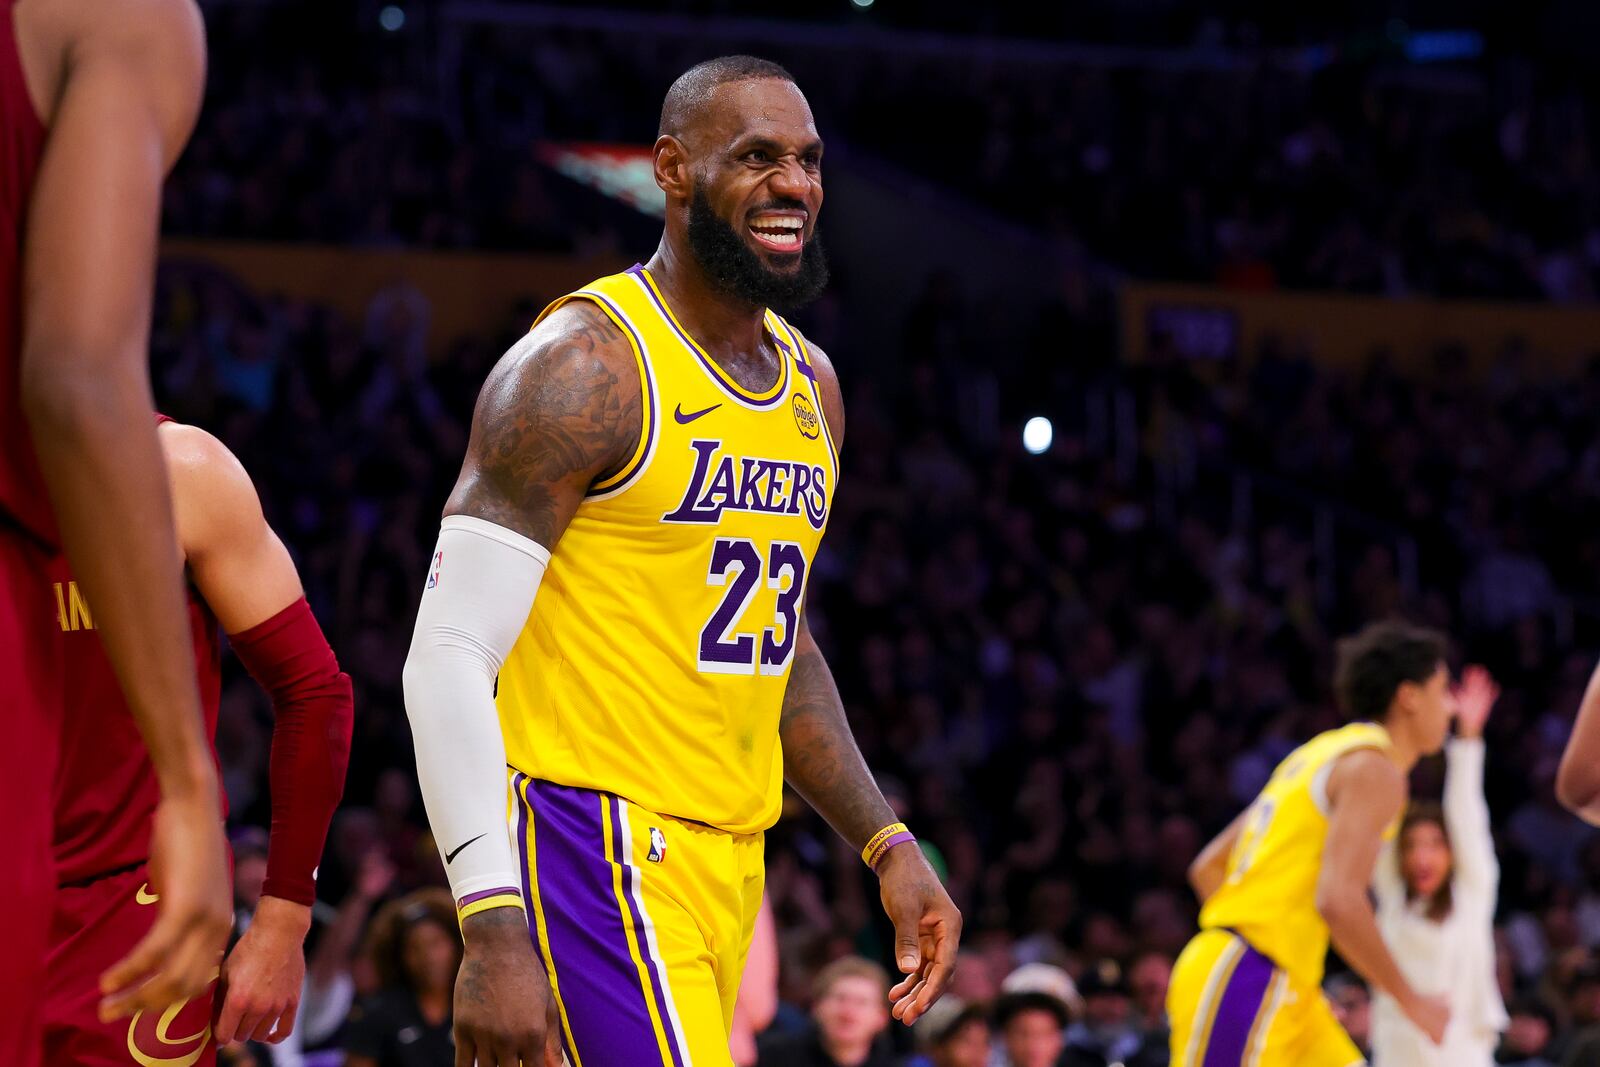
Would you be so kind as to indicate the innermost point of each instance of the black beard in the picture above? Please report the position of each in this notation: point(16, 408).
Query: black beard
point(736, 270)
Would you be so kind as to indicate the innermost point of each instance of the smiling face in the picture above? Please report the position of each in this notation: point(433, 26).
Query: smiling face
point(746, 169)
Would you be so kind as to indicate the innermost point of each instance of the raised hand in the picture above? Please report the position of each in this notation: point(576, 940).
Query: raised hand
point(1475, 695)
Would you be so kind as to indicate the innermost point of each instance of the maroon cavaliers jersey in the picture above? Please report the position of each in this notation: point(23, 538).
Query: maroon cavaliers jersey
point(106, 790)
point(22, 497)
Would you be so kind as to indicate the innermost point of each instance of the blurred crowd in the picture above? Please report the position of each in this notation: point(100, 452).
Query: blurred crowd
point(1255, 169)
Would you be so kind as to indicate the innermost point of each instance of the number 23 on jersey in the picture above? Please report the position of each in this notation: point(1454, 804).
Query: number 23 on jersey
point(727, 644)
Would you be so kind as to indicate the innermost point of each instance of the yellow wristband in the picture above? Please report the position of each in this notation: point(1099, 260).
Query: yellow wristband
point(882, 841)
point(469, 906)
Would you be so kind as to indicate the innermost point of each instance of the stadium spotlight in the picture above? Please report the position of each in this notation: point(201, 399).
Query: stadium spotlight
point(1037, 433)
point(862, 5)
point(392, 18)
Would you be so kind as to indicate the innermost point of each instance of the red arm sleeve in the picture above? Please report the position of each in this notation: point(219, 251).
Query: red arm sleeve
point(313, 712)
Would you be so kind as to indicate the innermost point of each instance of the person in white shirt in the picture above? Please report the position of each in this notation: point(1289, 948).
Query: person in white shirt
point(1436, 887)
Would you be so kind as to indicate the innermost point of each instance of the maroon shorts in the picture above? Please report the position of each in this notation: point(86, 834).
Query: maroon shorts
point(96, 924)
point(30, 687)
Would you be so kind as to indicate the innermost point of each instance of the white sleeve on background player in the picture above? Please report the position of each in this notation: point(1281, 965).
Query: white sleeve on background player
point(480, 589)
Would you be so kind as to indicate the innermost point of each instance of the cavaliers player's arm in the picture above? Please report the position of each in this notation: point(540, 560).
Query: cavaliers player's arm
point(1578, 780)
point(245, 575)
point(561, 409)
point(822, 763)
point(1365, 794)
point(119, 87)
point(1211, 866)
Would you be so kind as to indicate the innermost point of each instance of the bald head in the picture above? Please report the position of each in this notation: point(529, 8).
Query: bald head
point(693, 90)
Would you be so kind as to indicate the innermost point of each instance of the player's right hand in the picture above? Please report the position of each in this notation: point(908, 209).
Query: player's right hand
point(1431, 1015)
point(179, 957)
point(505, 1014)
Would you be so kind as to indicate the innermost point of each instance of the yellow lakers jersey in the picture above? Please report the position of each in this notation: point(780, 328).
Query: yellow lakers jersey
point(654, 662)
point(1270, 892)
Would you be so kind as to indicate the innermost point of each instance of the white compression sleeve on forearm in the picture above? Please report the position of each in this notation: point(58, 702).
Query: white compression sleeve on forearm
point(480, 589)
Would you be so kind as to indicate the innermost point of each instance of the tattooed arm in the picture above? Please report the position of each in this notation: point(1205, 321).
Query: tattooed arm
point(562, 408)
point(560, 411)
point(823, 764)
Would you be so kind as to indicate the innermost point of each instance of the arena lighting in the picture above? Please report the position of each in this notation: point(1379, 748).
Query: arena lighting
point(623, 172)
point(1037, 433)
point(862, 5)
point(392, 18)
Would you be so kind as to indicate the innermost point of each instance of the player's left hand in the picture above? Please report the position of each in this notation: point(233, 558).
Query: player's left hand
point(1475, 696)
point(927, 929)
point(259, 993)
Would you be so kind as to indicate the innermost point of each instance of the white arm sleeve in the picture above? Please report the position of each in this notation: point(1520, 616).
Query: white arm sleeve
point(1466, 816)
point(480, 589)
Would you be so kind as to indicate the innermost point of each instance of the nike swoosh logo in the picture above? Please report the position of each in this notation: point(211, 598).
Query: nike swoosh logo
point(684, 420)
point(143, 896)
point(449, 857)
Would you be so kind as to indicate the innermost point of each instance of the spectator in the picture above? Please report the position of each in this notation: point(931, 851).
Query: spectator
point(849, 1012)
point(974, 980)
point(415, 946)
point(1437, 890)
point(1528, 1036)
point(1032, 1029)
point(1045, 978)
point(1149, 977)
point(1583, 1050)
point(1107, 1033)
point(953, 1033)
point(1352, 1006)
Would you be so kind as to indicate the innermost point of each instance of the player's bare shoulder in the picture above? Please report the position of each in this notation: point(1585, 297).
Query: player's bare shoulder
point(562, 409)
point(151, 47)
point(1368, 777)
point(212, 495)
point(191, 452)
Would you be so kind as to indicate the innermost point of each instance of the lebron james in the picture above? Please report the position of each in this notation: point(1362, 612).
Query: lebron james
point(656, 460)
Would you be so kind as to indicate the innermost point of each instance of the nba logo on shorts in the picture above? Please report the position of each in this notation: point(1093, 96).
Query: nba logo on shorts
point(433, 575)
point(658, 845)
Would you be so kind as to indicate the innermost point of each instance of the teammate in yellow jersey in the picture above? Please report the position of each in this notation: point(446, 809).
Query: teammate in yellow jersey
point(656, 460)
point(1292, 872)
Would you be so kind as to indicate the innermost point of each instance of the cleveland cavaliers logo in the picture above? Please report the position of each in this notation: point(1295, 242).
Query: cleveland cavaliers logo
point(805, 417)
point(151, 1042)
